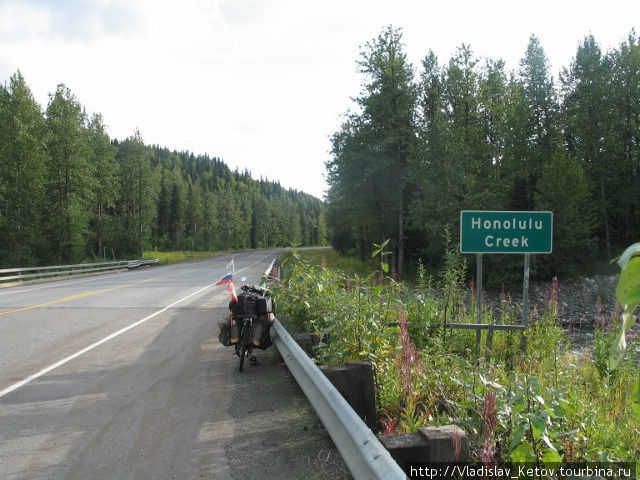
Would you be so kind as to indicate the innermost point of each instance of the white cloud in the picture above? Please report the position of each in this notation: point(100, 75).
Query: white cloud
point(262, 83)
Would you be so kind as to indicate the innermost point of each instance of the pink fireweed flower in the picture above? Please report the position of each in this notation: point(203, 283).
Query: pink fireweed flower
point(409, 357)
point(489, 420)
point(457, 444)
point(389, 424)
point(551, 298)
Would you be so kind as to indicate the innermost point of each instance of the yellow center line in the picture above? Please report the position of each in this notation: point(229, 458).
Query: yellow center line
point(91, 292)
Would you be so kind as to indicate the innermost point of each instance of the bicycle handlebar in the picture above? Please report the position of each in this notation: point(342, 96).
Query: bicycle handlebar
point(256, 289)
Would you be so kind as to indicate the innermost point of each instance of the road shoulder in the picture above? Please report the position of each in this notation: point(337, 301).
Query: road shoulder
point(277, 434)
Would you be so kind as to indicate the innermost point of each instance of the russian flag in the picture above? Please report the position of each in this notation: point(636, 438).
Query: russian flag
point(228, 280)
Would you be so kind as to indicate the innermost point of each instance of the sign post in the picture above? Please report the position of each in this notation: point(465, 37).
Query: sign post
point(525, 297)
point(478, 300)
point(507, 232)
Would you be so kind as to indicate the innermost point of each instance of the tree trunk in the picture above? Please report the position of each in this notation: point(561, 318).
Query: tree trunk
point(140, 243)
point(100, 228)
point(400, 236)
point(19, 233)
point(606, 218)
point(68, 248)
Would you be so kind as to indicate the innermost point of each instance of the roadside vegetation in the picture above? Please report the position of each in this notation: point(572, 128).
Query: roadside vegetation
point(554, 403)
point(422, 142)
point(167, 258)
point(70, 193)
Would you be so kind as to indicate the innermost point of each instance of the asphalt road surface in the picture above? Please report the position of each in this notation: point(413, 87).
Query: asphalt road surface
point(121, 376)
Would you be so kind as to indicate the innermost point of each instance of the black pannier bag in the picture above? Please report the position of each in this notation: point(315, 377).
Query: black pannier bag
point(265, 305)
point(255, 304)
point(224, 331)
point(259, 308)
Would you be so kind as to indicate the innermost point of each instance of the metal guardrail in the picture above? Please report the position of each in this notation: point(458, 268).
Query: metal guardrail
point(363, 453)
point(139, 263)
point(17, 274)
point(267, 272)
point(365, 456)
point(484, 326)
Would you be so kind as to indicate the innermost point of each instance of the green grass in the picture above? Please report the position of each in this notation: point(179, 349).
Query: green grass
point(167, 258)
point(349, 265)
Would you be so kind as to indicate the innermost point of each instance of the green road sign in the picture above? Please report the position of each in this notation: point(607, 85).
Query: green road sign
point(505, 232)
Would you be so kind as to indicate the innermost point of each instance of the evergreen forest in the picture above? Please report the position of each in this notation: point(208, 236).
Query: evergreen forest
point(69, 193)
point(420, 145)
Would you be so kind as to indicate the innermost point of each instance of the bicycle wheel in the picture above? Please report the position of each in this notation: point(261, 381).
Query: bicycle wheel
point(245, 338)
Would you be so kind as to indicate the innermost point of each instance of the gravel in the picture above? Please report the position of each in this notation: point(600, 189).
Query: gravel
point(277, 434)
point(581, 301)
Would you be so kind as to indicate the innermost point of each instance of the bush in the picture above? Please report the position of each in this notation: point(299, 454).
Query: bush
point(550, 404)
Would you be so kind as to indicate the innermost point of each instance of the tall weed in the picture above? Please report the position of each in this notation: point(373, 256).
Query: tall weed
point(548, 404)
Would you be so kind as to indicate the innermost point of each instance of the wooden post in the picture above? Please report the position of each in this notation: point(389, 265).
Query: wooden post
point(307, 341)
point(364, 392)
point(354, 381)
point(489, 346)
point(429, 445)
point(338, 375)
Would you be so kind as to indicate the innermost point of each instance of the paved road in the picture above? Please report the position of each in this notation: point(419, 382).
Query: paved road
point(121, 376)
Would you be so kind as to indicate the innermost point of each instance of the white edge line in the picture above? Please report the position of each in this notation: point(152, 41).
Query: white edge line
point(254, 263)
point(59, 363)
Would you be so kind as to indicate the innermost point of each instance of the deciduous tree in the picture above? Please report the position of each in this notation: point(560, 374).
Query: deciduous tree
point(22, 174)
point(70, 177)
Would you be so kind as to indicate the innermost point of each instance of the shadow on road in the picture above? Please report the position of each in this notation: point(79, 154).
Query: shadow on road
point(165, 401)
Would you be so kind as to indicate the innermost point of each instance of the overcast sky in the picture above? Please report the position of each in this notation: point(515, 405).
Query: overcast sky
point(263, 84)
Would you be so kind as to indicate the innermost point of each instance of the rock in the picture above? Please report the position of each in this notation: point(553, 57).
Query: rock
point(581, 301)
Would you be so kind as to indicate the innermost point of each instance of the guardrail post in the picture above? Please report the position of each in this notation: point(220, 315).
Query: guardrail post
point(429, 445)
point(354, 380)
point(363, 453)
point(307, 341)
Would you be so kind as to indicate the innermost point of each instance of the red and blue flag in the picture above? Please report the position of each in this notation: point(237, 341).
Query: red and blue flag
point(228, 280)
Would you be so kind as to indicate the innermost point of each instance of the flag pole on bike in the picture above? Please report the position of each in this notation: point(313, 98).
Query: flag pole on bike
point(228, 280)
point(248, 323)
